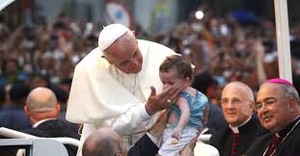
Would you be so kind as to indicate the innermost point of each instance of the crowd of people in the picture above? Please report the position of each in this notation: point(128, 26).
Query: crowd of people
point(96, 78)
point(226, 49)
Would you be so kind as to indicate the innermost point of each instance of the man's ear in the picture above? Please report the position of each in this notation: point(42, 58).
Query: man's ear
point(292, 104)
point(252, 105)
point(26, 111)
point(57, 109)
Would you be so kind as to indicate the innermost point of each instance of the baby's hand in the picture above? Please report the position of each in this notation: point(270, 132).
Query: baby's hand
point(176, 133)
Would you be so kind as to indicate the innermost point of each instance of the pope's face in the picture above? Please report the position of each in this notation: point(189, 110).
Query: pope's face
point(131, 63)
point(126, 55)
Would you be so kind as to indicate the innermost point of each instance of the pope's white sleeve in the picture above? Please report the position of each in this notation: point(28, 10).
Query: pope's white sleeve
point(134, 120)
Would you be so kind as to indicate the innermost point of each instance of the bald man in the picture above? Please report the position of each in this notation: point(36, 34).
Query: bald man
point(42, 104)
point(243, 127)
point(42, 109)
point(104, 142)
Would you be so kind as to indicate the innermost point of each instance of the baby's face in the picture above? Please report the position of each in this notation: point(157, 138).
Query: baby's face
point(170, 78)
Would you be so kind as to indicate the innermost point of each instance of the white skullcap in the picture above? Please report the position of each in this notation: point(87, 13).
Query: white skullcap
point(109, 34)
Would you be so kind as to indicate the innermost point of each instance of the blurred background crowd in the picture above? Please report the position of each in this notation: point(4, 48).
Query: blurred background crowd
point(223, 46)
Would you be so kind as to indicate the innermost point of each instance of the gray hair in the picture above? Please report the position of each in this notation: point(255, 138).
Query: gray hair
point(290, 91)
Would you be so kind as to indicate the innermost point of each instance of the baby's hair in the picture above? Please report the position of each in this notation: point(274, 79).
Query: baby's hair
point(178, 62)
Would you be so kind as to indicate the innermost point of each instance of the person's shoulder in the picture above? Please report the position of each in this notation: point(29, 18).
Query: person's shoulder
point(200, 93)
point(95, 52)
point(223, 132)
point(148, 44)
point(33, 131)
point(93, 58)
point(259, 145)
point(202, 97)
point(154, 46)
point(218, 138)
point(143, 41)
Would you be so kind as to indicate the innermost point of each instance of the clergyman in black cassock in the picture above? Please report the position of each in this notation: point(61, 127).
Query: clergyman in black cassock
point(224, 139)
point(278, 109)
point(289, 142)
point(237, 101)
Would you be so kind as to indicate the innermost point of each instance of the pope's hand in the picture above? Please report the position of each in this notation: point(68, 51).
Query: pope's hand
point(158, 102)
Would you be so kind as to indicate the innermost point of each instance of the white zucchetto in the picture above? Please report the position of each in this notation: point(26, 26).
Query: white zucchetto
point(109, 34)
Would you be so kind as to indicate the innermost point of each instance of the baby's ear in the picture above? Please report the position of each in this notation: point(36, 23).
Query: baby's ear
point(188, 79)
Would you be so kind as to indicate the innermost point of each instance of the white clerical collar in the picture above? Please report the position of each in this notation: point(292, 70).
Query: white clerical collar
point(41, 121)
point(236, 128)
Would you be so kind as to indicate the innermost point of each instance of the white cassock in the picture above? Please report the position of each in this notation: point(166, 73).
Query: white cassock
point(103, 96)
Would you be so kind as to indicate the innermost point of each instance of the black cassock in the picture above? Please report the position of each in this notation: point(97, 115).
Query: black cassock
point(248, 133)
point(290, 146)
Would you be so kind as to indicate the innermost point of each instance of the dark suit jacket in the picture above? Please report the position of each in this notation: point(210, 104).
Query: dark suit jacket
point(222, 140)
point(288, 147)
point(55, 128)
point(143, 147)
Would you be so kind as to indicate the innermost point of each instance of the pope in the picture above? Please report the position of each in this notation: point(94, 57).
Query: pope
point(116, 85)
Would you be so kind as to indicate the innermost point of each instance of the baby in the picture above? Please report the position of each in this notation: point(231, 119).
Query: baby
point(187, 113)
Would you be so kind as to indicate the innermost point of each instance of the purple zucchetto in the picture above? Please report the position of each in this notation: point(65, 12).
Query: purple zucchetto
point(279, 81)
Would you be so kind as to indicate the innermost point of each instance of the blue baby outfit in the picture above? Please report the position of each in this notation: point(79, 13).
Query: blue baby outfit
point(197, 106)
